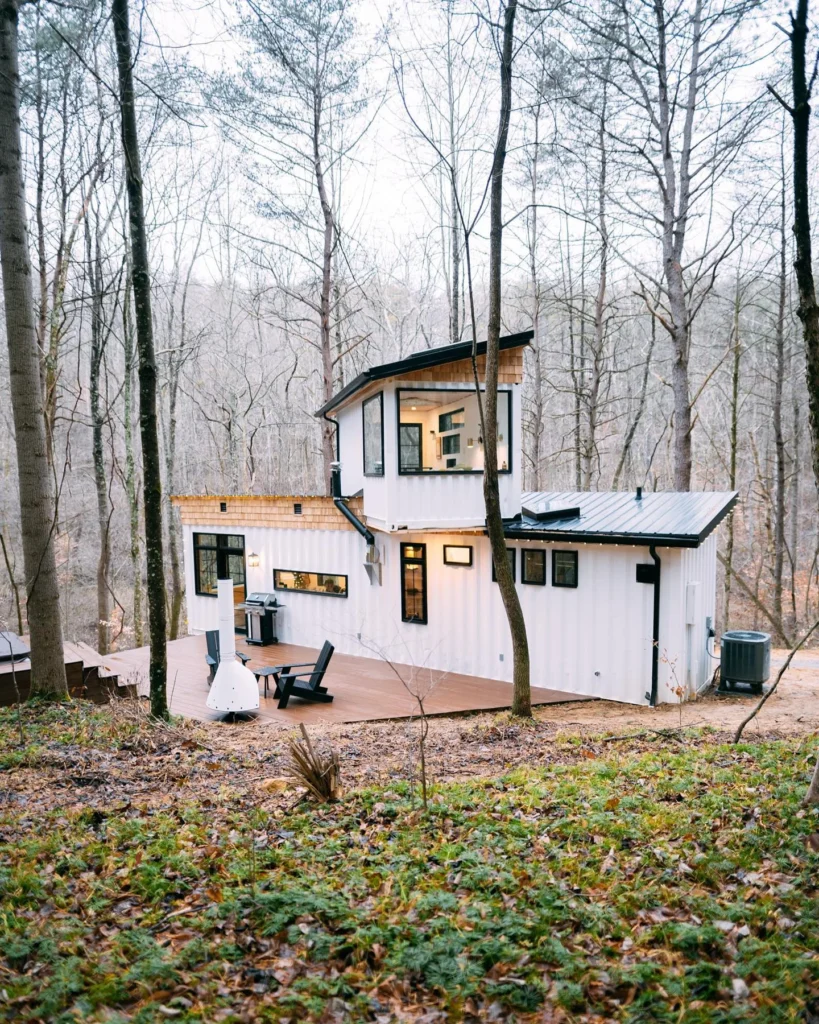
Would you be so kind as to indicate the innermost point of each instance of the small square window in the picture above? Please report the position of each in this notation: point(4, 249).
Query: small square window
point(510, 554)
point(297, 508)
point(564, 568)
point(533, 566)
point(223, 506)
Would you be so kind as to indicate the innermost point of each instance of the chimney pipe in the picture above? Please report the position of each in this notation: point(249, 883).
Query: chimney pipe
point(335, 480)
point(639, 494)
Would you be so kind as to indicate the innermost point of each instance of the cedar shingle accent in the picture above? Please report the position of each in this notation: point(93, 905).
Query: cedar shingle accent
point(317, 512)
point(510, 370)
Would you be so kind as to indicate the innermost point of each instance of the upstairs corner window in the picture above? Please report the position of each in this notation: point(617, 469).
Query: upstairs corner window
point(439, 431)
point(414, 583)
point(373, 415)
point(564, 568)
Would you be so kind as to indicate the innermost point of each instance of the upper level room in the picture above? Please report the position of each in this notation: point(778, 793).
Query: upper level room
point(409, 437)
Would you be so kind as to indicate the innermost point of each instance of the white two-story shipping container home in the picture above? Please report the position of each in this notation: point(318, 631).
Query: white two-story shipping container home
point(618, 588)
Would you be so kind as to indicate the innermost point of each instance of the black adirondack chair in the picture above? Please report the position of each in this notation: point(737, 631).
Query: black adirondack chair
point(287, 681)
point(212, 657)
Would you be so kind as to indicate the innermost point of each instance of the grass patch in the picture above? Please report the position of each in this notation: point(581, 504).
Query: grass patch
point(637, 887)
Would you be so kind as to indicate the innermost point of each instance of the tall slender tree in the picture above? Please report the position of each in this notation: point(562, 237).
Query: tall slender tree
point(147, 372)
point(37, 504)
point(522, 699)
point(799, 111)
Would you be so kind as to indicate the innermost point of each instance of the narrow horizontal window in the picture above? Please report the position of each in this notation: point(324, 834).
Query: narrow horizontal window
point(457, 554)
point(327, 584)
point(564, 568)
point(511, 555)
point(533, 566)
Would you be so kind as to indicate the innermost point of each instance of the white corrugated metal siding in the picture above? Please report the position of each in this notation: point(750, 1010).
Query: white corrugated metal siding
point(594, 640)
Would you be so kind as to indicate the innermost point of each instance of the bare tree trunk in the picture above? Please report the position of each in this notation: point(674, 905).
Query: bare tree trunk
point(641, 405)
point(131, 488)
point(37, 504)
point(327, 431)
point(97, 285)
point(455, 241)
point(521, 701)
point(732, 465)
point(808, 310)
point(779, 381)
point(151, 462)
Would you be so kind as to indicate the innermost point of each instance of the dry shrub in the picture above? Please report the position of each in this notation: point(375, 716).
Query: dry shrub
point(319, 773)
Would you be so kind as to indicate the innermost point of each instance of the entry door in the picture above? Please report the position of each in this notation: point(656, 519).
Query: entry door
point(231, 565)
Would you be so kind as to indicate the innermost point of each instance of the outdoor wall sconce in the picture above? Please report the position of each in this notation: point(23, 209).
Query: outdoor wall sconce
point(253, 560)
point(470, 443)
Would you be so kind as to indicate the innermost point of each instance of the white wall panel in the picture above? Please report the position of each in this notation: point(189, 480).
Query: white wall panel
point(593, 640)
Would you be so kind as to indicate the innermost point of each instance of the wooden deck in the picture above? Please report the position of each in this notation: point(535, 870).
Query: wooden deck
point(365, 689)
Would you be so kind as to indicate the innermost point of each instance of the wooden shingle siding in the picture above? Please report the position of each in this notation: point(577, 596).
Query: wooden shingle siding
point(317, 512)
point(510, 370)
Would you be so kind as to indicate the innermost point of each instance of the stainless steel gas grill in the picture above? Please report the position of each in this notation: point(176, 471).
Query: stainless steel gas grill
point(260, 610)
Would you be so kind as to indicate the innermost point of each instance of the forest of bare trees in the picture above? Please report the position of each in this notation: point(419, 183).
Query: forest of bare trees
point(316, 189)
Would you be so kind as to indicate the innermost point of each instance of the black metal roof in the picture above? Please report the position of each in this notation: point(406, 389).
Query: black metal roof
point(421, 361)
point(681, 519)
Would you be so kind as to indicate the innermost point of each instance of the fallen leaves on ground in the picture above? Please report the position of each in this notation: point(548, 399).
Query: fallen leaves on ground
point(147, 875)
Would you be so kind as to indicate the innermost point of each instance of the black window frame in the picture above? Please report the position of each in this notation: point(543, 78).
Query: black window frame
point(422, 561)
point(450, 472)
point(314, 593)
point(451, 413)
point(460, 547)
point(513, 560)
point(222, 550)
point(412, 472)
point(451, 439)
point(567, 586)
point(532, 551)
point(364, 404)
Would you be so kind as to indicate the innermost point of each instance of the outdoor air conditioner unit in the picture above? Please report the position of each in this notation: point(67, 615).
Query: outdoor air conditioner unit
point(745, 659)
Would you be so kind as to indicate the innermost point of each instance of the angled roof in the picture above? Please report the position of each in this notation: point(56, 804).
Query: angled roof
point(420, 361)
point(666, 518)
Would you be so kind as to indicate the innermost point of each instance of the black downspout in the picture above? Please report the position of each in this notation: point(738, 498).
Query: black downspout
point(655, 644)
point(353, 519)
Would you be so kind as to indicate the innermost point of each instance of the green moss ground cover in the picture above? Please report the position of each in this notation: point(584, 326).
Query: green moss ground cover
point(664, 885)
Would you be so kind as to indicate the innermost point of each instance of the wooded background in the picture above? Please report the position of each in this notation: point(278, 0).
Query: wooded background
point(314, 173)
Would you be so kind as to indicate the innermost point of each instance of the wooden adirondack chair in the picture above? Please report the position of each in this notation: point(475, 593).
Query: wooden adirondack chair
point(212, 657)
point(287, 681)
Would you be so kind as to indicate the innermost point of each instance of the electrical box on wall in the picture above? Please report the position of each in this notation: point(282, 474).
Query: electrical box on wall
point(646, 572)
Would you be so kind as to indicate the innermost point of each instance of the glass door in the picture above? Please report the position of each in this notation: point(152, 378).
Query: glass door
point(231, 555)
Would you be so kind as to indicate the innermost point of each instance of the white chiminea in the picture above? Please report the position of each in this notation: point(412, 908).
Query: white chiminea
point(235, 687)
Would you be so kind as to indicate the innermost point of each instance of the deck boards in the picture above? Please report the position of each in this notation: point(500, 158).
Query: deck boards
point(365, 689)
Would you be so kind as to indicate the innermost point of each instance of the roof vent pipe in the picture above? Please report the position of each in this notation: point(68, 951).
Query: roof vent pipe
point(639, 494)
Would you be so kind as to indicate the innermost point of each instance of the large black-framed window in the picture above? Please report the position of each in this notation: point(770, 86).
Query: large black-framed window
point(533, 566)
point(439, 431)
point(324, 583)
point(414, 583)
point(220, 556)
point(511, 554)
point(564, 568)
point(372, 415)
